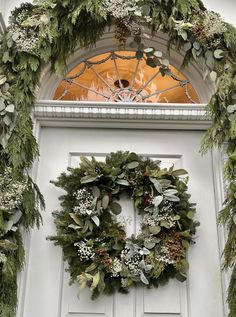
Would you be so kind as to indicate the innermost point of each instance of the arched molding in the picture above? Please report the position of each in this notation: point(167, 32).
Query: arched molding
point(50, 81)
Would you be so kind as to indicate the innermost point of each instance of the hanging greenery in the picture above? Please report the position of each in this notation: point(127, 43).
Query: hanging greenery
point(94, 239)
point(49, 30)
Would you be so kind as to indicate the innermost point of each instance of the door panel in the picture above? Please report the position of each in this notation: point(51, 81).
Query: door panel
point(47, 290)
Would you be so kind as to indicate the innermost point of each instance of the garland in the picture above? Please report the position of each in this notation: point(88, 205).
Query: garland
point(49, 31)
point(94, 240)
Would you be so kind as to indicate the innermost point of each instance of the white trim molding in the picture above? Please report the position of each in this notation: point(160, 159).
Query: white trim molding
point(122, 115)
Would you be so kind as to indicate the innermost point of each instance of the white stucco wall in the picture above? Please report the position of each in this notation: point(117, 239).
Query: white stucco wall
point(226, 8)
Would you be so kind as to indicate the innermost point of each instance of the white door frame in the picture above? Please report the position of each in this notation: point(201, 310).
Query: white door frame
point(131, 116)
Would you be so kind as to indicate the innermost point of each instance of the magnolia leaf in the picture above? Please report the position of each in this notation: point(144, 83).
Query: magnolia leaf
point(115, 208)
point(143, 278)
point(96, 191)
point(234, 97)
point(96, 280)
point(96, 221)
point(10, 108)
point(105, 201)
point(91, 267)
point(75, 227)
point(154, 229)
point(132, 165)
point(218, 54)
point(88, 179)
point(75, 218)
point(122, 182)
point(179, 172)
point(231, 108)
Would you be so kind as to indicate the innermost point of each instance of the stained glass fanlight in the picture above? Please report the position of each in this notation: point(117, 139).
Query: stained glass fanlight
point(121, 77)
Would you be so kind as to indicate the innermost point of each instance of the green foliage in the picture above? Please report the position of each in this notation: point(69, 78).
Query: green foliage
point(94, 242)
point(49, 31)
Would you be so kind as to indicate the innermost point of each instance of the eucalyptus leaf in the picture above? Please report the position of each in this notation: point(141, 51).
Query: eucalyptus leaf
point(143, 278)
point(181, 277)
point(96, 221)
point(190, 215)
point(231, 108)
point(154, 229)
point(218, 54)
point(122, 182)
point(157, 200)
point(105, 201)
point(179, 172)
point(132, 165)
point(115, 208)
point(10, 108)
point(96, 191)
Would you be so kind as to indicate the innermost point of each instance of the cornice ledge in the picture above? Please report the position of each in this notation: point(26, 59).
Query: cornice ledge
point(55, 110)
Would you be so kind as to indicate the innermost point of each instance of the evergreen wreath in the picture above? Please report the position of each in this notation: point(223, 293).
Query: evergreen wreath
point(48, 31)
point(94, 240)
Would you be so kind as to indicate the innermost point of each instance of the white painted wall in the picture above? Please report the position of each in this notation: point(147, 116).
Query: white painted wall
point(226, 8)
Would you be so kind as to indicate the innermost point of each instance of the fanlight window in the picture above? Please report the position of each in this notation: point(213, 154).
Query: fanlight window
point(121, 77)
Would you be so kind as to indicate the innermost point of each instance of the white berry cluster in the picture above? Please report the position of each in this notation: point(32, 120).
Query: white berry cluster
point(164, 256)
point(25, 40)
point(85, 252)
point(167, 207)
point(116, 267)
point(83, 201)
point(121, 9)
point(132, 262)
point(11, 191)
point(151, 220)
point(208, 27)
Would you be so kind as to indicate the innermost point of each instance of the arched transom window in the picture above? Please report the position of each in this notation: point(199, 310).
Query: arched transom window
point(121, 77)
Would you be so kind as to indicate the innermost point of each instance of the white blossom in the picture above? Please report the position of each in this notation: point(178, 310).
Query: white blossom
point(116, 267)
point(11, 191)
point(164, 256)
point(84, 201)
point(85, 251)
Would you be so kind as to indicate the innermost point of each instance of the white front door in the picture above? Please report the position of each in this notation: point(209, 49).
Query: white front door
point(47, 293)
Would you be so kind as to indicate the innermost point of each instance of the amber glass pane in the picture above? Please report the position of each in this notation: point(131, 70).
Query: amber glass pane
point(124, 78)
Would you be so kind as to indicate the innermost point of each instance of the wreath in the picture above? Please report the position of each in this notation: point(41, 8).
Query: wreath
point(93, 238)
point(48, 32)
